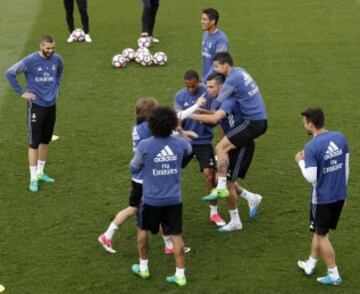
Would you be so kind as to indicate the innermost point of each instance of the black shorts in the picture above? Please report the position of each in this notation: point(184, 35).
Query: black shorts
point(245, 131)
point(240, 160)
point(40, 123)
point(324, 217)
point(204, 155)
point(150, 218)
point(135, 194)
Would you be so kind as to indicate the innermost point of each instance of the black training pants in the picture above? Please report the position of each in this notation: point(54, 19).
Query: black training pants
point(69, 8)
point(148, 16)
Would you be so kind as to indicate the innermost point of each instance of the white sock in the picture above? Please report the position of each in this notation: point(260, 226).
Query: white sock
point(235, 217)
point(312, 262)
point(180, 272)
point(213, 209)
point(333, 273)
point(33, 173)
point(221, 183)
point(40, 167)
point(110, 232)
point(143, 264)
point(167, 241)
point(249, 196)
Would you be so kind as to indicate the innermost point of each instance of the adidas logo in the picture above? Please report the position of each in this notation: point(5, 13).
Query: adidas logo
point(165, 154)
point(332, 151)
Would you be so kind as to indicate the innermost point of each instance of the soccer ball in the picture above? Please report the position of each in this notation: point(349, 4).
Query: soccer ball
point(144, 42)
point(118, 61)
point(139, 53)
point(128, 54)
point(160, 58)
point(78, 35)
point(144, 58)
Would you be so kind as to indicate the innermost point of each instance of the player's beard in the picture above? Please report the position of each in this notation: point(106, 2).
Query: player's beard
point(46, 54)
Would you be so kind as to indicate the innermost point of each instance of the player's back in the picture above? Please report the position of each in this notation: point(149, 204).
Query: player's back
point(327, 151)
point(246, 91)
point(162, 158)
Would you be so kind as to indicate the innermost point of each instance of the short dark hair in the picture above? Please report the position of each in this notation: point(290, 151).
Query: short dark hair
point(223, 57)
point(47, 39)
point(191, 75)
point(314, 115)
point(212, 14)
point(144, 107)
point(163, 121)
point(219, 79)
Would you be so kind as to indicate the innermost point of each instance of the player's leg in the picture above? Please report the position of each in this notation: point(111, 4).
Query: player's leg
point(47, 132)
point(152, 16)
point(34, 125)
point(106, 239)
point(148, 220)
point(328, 219)
point(232, 202)
point(146, 17)
point(142, 268)
point(82, 6)
point(205, 156)
point(308, 265)
point(171, 222)
point(69, 10)
point(222, 152)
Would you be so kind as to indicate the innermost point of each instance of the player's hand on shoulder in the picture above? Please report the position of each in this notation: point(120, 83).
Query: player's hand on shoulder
point(28, 96)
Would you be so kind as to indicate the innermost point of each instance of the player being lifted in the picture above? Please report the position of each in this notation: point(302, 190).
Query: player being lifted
point(228, 113)
point(238, 85)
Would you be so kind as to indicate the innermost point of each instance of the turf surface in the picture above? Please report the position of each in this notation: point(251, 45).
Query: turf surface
point(301, 53)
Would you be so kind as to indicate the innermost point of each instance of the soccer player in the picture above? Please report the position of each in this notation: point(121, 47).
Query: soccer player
point(227, 114)
point(240, 86)
point(143, 109)
point(325, 164)
point(201, 146)
point(213, 41)
point(69, 9)
point(43, 73)
point(160, 158)
point(150, 8)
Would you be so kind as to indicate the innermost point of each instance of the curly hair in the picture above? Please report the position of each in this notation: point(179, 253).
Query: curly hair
point(163, 121)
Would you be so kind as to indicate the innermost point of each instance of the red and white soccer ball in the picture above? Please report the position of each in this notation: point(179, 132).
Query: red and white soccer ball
point(160, 58)
point(144, 42)
point(128, 54)
point(118, 61)
point(78, 35)
point(139, 53)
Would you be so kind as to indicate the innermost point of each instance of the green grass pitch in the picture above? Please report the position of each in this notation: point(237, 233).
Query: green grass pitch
point(301, 53)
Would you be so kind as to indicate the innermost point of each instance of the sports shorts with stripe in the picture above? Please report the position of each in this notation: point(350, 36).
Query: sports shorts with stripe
point(245, 131)
point(240, 160)
point(40, 124)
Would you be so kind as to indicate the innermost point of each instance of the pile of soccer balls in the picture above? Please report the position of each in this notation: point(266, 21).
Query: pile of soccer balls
point(141, 56)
